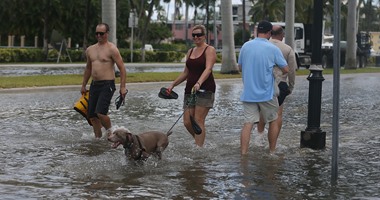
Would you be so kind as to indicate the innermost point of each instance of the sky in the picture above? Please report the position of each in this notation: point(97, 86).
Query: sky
point(170, 6)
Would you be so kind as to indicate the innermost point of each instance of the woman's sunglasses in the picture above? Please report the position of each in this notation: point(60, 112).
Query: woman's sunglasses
point(100, 33)
point(197, 34)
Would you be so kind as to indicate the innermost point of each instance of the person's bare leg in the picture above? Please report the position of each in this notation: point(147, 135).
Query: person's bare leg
point(261, 125)
point(245, 137)
point(279, 118)
point(273, 133)
point(97, 127)
point(259, 136)
point(106, 122)
point(200, 115)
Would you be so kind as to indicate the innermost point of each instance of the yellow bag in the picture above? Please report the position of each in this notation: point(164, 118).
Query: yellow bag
point(81, 106)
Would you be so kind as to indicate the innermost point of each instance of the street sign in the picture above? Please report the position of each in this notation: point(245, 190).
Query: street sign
point(133, 20)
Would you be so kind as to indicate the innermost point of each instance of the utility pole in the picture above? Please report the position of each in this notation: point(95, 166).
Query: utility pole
point(131, 25)
point(336, 94)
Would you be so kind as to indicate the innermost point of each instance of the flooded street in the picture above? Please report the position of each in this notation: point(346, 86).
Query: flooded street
point(48, 150)
point(78, 68)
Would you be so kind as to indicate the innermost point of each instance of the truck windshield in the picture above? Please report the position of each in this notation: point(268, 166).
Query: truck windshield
point(298, 33)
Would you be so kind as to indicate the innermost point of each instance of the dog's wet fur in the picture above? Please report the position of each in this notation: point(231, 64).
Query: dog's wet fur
point(141, 146)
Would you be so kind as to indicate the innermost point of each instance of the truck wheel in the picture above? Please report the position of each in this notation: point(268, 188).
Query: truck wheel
point(298, 61)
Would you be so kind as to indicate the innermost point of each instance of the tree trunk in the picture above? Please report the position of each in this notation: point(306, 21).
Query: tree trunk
point(174, 18)
point(144, 33)
point(85, 30)
point(289, 21)
point(45, 48)
point(86, 24)
point(109, 17)
point(351, 36)
point(229, 65)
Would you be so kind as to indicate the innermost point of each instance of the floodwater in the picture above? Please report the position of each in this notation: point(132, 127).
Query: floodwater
point(72, 68)
point(48, 151)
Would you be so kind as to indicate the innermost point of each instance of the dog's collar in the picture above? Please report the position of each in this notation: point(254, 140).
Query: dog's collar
point(140, 149)
point(128, 145)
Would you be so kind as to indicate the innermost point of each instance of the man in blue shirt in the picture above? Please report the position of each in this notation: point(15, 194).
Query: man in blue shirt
point(256, 61)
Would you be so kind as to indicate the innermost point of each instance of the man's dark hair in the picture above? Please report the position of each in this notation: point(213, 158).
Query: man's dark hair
point(278, 31)
point(264, 27)
point(106, 25)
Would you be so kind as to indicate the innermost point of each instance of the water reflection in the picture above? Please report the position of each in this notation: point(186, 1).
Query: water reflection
point(48, 151)
point(194, 182)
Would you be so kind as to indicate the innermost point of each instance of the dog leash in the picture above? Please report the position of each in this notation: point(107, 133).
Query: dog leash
point(176, 121)
point(191, 101)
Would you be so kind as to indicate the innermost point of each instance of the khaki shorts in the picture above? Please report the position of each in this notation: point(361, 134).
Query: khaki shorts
point(202, 99)
point(268, 109)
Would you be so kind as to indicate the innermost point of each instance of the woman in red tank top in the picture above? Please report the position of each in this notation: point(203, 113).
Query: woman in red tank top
point(199, 79)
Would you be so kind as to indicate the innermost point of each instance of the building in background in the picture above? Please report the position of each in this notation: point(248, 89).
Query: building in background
point(179, 30)
point(375, 40)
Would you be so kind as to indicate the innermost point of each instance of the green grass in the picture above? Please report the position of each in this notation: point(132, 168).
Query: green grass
point(58, 80)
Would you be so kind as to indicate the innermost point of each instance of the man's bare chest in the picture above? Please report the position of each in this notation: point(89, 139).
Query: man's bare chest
point(100, 55)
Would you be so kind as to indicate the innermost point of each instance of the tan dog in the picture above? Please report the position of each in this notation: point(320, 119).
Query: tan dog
point(140, 147)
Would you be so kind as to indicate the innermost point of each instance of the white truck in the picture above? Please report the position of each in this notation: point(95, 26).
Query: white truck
point(302, 47)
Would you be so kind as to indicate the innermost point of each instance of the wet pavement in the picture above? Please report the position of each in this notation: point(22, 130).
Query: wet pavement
point(48, 151)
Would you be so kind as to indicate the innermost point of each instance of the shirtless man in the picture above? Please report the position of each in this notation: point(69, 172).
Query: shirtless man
point(101, 58)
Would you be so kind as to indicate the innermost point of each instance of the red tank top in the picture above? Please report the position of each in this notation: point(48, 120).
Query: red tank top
point(196, 67)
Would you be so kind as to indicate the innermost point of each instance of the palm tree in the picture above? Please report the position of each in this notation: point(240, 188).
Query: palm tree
point(187, 4)
point(229, 65)
point(244, 29)
point(371, 12)
point(196, 4)
point(109, 17)
point(351, 36)
point(152, 4)
point(304, 10)
point(50, 15)
point(177, 5)
point(86, 24)
point(271, 10)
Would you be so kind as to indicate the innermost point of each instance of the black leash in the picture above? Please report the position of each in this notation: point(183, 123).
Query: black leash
point(176, 121)
point(191, 101)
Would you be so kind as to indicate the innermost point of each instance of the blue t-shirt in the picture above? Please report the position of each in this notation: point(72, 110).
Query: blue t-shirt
point(257, 59)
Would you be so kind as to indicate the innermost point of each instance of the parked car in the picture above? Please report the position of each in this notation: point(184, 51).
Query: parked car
point(148, 47)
